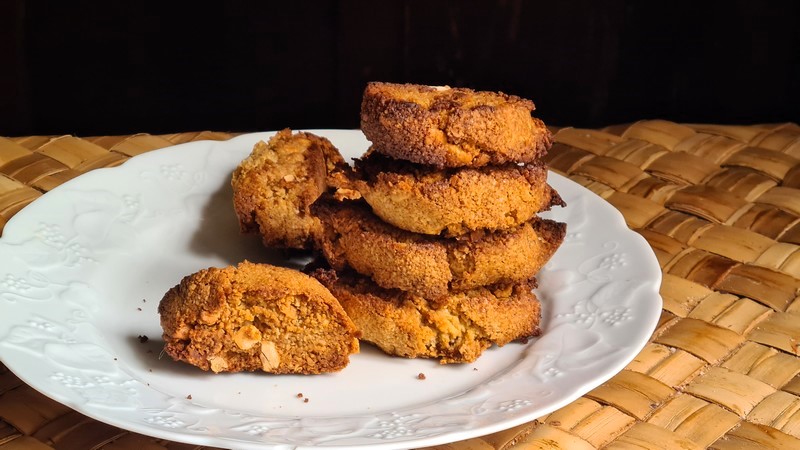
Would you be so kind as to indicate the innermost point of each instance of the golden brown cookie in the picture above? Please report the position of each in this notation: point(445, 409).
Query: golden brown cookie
point(431, 266)
point(455, 201)
point(451, 127)
point(274, 187)
point(256, 317)
point(455, 330)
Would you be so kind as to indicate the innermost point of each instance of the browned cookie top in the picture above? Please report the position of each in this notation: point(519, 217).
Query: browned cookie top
point(451, 127)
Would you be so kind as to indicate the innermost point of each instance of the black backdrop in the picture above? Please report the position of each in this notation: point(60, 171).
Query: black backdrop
point(91, 67)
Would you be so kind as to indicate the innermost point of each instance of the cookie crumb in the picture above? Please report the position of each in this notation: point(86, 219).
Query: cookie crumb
point(138, 309)
point(305, 400)
point(299, 395)
point(421, 376)
point(189, 397)
point(143, 338)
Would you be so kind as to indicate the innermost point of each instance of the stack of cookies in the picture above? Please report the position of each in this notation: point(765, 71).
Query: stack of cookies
point(431, 242)
point(437, 256)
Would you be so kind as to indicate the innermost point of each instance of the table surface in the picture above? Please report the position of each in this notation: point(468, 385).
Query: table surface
point(720, 206)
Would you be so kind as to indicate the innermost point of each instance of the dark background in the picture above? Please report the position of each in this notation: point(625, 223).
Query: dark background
point(91, 67)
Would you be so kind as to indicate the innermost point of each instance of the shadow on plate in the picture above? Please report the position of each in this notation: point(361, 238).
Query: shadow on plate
point(219, 235)
point(149, 351)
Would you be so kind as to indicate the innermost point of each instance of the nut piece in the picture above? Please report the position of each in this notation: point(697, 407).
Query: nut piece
point(269, 356)
point(210, 317)
point(182, 332)
point(218, 364)
point(246, 337)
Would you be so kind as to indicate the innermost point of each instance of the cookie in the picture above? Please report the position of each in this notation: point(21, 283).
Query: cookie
point(425, 200)
point(451, 127)
point(256, 317)
point(457, 329)
point(432, 266)
point(274, 187)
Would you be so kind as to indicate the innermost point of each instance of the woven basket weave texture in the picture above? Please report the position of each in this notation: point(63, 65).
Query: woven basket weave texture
point(720, 206)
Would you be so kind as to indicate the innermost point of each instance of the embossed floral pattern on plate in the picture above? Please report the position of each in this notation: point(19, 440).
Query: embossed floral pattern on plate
point(82, 270)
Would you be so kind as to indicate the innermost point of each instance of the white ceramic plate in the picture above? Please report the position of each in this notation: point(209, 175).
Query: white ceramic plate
point(82, 270)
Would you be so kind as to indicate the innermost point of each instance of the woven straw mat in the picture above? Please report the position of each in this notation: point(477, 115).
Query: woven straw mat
point(720, 206)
